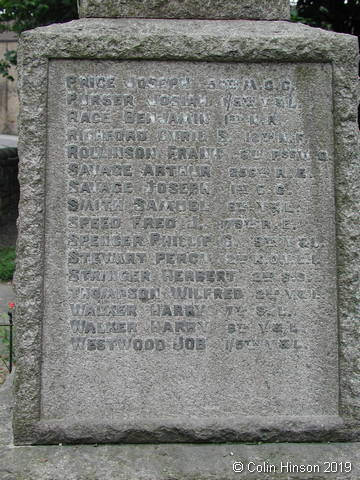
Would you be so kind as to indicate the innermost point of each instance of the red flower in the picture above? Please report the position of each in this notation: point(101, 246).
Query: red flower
point(11, 305)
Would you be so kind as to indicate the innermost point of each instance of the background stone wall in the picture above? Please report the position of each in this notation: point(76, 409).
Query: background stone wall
point(9, 186)
point(9, 104)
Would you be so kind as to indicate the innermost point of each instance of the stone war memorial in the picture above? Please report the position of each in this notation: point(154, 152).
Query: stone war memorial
point(189, 231)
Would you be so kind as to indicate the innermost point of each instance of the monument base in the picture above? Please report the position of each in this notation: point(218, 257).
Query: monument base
point(269, 461)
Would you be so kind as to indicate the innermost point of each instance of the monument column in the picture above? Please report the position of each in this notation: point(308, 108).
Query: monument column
point(187, 227)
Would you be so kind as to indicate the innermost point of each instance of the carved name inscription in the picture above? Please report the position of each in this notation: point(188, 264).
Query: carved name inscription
point(190, 256)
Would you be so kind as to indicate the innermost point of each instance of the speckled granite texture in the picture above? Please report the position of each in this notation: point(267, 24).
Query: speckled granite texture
point(167, 461)
point(211, 9)
point(182, 40)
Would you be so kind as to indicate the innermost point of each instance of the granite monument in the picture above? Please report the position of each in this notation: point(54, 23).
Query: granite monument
point(188, 227)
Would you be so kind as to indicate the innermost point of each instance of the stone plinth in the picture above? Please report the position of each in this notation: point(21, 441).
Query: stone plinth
point(128, 462)
point(215, 9)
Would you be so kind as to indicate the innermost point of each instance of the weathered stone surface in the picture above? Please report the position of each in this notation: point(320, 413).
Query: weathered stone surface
point(176, 461)
point(6, 406)
point(211, 9)
point(139, 304)
point(306, 59)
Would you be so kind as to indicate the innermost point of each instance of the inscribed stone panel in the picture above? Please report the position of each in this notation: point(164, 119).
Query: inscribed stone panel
point(190, 266)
